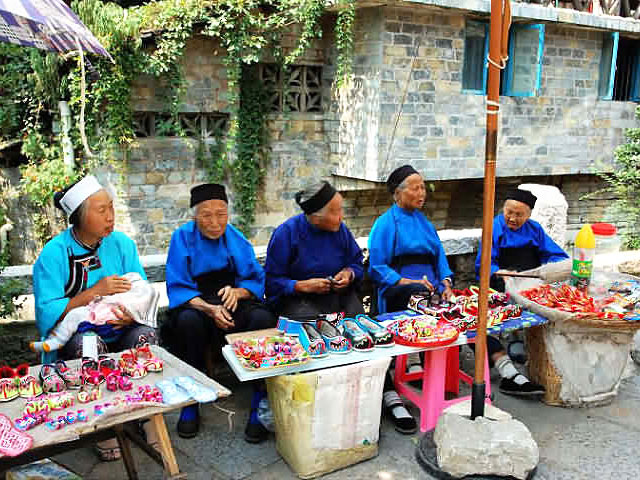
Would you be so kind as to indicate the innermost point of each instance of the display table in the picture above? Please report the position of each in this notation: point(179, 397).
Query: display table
point(113, 423)
point(440, 371)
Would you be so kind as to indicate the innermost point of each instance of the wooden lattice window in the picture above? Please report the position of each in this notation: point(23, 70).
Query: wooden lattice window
point(297, 88)
point(201, 125)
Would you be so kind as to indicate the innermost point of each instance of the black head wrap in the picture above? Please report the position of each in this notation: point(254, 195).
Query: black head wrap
point(524, 196)
point(398, 176)
point(317, 201)
point(208, 191)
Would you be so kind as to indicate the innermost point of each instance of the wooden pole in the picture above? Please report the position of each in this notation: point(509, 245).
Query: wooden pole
point(491, 147)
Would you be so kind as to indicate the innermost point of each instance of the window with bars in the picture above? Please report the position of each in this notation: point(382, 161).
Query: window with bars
point(201, 125)
point(476, 48)
point(296, 88)
point(619, 69)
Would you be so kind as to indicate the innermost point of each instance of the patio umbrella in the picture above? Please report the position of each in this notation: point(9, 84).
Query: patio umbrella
point(46, 25)
point(498, 55)
point(50, 25)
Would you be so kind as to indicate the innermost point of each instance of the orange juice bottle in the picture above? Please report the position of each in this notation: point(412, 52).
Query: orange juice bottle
point(583, 253)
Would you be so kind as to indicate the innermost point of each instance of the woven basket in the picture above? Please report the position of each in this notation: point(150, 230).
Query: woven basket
point(593, 360)
point(541, 369)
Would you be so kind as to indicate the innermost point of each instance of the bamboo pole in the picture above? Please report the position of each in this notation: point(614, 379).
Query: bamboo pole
point(491, 146)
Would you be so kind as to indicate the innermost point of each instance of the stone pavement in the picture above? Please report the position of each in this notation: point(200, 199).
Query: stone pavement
point(576, 444)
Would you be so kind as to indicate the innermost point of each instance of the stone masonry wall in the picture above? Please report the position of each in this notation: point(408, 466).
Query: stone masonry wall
point(565, 129)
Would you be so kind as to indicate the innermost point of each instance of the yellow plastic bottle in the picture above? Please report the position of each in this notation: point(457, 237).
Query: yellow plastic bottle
point(583, 252)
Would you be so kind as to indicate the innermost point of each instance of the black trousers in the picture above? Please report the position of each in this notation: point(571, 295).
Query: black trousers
point(315, 304)
point(189, 333)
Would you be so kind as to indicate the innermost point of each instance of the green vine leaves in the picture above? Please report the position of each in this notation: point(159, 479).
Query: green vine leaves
point(245, 29)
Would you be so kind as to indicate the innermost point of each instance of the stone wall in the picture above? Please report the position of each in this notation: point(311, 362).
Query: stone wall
point(564, 129)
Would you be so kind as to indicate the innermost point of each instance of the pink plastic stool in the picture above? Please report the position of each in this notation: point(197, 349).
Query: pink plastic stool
point(440, 373)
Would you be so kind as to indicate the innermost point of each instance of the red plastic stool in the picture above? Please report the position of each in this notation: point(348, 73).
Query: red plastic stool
point(440, 373)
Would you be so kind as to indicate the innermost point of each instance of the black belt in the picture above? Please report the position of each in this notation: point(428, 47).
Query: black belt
point(519, 258)
point(404, 260)
point(210, 283)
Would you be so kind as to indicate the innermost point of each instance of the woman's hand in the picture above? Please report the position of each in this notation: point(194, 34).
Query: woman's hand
point(123, 317)
point(229, 297)
point(221, 316)
point(342, 279)
point(313, 285)
point(447, 293)
point(110, 285)
point(424, 281)
point(218, 313)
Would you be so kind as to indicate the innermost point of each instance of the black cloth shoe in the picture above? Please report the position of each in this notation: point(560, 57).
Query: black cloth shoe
point(527, 389)
point(404, 425)
point(189, 428)
point(255, 432)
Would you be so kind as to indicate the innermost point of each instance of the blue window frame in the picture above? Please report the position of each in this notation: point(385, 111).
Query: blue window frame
point(608, 62)
point(524, 68)
point(635, 85)
point(476, 49)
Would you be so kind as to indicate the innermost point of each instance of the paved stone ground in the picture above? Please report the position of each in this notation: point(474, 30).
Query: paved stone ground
point(576, 444)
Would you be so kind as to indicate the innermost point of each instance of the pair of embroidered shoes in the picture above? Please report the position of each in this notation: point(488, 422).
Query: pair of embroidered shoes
point(360, 334)
point(321, 338)
point(137, 362)
point(365, 333)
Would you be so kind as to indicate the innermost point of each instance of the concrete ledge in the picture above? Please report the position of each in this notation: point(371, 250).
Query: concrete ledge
point(455, 242)
point(544, 14)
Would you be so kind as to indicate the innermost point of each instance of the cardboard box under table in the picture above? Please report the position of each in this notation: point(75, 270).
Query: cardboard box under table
point(116, 422)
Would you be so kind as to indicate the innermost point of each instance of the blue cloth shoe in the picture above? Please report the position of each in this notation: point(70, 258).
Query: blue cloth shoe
point(381, 336)
point(189, 422)
point(255, 432)
point(334, 341)
point(312, 341)
point(360, 340)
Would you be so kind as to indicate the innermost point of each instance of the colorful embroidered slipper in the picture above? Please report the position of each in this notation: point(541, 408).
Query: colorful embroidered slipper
point(50, 380)
point(312, 341)
point(360, 340)
point(28, 386)
point(130, 365)
point(71, 376)
point(8, 386)
point(334, 341)
point(148, 359)
point(196, 390)
point(381, 336)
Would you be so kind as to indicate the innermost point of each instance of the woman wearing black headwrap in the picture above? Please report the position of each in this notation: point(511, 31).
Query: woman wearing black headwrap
point(406, 255)
point(215, 286)
point(313, 261)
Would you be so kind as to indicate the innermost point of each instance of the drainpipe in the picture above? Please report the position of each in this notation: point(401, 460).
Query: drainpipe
point(4, 236)
point(67, 146)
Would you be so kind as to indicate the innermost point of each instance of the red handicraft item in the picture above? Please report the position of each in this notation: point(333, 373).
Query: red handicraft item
point(269, 352)
point(568, 299)
point(423, 331)
point(13, 442)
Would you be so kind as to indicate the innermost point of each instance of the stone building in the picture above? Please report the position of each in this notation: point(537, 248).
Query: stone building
point(568, 94)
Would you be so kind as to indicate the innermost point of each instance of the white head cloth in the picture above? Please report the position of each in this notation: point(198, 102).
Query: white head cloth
point(79, 193)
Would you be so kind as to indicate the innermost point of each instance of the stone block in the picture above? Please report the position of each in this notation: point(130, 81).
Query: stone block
point(485, 447)
point(155, 178)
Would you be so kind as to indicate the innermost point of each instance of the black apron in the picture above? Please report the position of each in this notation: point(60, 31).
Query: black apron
point(517, 259)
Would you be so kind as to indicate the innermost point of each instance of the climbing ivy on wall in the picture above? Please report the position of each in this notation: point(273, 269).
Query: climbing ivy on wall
point(245, 30)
